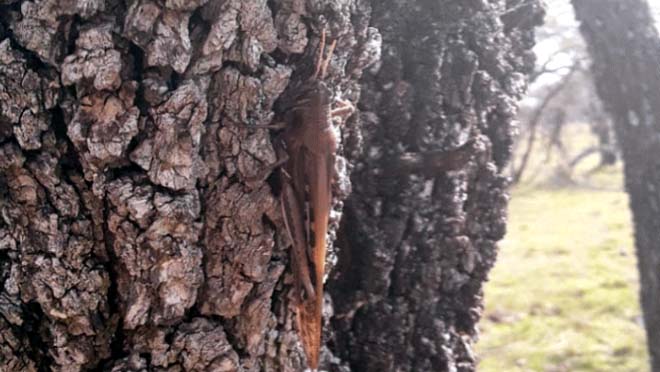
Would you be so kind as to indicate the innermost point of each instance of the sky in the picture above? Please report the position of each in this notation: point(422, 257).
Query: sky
point(560, 14)
point(563, 11)
point(655, 7)
point(565, 6)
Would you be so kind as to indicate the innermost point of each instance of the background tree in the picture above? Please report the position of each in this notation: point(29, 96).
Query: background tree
point(416, 247)
point(561, 96)
point(625, 48)
point(133, 235)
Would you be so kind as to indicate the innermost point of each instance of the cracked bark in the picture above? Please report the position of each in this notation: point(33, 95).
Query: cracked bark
point(134, 237)
point(625, 47)
point(416, 248)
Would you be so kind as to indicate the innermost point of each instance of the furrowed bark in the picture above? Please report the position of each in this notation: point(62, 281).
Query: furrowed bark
point(131, 236)
point(134, 237)
point(625, 48)
point(416, 248)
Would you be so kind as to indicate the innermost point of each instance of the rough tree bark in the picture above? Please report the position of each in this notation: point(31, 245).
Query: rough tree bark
point(416, 248)
point(135, 234)
point(130, 237)
point(625, 48)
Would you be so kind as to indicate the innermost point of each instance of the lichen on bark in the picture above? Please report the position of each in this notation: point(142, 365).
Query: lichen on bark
point(417, 246)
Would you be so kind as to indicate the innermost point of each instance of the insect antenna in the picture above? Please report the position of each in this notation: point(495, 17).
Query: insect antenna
point(326, 62)
point(319, 61)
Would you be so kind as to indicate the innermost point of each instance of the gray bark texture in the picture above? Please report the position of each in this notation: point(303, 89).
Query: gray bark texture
point(416, 248)
point(136, 232)
point(625, 48)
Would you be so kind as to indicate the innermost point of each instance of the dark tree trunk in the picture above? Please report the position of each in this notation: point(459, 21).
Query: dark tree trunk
point(135, 233)
point(601, 126)
point(625, 49)
point(603, 131)
point(416, 248)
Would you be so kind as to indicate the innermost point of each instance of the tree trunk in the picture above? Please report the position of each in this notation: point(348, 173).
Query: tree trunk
point(416, 247)
point(131, 235)
point(625, 49)
point(135, 230)
point(604, 133)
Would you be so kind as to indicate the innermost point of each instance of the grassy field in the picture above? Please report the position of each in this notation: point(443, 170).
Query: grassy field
point(564, 293)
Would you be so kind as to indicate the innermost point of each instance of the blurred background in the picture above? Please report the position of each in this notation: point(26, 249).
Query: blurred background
point(564, 293)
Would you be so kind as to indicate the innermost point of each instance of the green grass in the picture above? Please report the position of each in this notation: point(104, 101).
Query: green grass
point(563, 295)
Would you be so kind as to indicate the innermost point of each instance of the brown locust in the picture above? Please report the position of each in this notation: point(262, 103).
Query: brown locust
point(306, 149)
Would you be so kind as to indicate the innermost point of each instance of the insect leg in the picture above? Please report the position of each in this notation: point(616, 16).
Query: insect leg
point(343, 111)
point(282, 158)
point(278, 125)
point(293, 220)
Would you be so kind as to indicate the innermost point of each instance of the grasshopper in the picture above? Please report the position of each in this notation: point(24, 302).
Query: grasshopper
point(306, 152)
